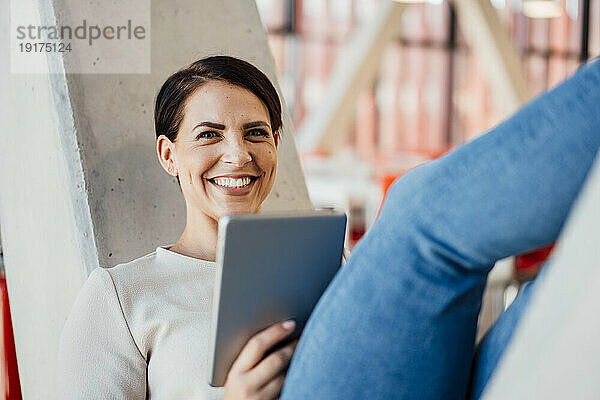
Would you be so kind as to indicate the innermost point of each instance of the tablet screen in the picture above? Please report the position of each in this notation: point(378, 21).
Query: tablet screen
point(270, 268)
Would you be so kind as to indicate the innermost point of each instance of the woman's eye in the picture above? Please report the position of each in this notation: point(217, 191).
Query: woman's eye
point(207, 135)
point(258, 133)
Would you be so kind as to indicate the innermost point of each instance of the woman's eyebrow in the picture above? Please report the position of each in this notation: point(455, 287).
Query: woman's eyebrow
point(210, 125)
point(256, 124)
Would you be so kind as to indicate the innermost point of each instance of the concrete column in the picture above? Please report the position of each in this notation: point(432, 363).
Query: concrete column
point(80, 185)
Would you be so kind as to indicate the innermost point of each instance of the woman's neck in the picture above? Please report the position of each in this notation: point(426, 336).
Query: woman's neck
point(199, 238)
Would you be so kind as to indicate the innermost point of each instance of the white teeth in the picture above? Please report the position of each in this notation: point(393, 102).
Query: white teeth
point(232, 182)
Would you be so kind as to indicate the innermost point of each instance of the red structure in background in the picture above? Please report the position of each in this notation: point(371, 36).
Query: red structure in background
point(387, 179)
point(529, 264)
point(9, 378)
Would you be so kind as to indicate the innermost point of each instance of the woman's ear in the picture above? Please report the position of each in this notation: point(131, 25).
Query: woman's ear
point(276, 137)
point(166, 155)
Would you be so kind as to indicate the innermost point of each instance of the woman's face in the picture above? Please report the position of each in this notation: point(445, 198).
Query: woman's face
point(225, 153)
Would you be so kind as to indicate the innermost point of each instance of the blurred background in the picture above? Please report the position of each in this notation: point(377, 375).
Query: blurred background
point(431, 91)
point(374, 88)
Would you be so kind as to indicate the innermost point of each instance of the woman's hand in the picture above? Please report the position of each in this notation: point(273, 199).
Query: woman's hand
point(251, 378)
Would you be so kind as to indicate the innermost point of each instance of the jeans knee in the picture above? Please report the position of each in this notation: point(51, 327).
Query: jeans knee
point(420, 212)
point(409, 199)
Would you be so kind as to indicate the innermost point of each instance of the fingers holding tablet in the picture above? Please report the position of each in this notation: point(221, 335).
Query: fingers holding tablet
point(274, 364)
point(258, 283)
point(273, 389)
point(250, 377)
point(260, 344)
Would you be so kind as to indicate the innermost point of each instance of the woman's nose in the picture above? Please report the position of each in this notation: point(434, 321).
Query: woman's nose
point(236, 154)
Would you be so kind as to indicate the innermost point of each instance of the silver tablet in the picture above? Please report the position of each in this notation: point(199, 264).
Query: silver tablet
point(270, 268)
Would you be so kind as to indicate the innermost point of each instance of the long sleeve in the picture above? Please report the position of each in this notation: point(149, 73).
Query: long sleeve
point(98, 357)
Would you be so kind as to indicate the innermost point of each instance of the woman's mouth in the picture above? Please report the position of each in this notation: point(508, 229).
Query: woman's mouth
point(234, 186)
point(233, 182)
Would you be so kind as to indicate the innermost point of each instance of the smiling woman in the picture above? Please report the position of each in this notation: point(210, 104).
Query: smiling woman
point(140, 329)
point(225, 158)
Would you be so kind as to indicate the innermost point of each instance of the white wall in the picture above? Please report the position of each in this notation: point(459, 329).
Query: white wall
point(79, 182)
point(555, 352)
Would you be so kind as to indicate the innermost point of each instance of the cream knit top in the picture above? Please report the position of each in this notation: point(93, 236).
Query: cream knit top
point(140, 330)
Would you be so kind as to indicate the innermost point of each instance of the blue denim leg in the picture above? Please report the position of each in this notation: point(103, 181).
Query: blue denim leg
point(492, 346)
point(399, 319)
